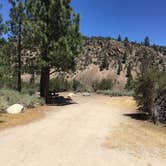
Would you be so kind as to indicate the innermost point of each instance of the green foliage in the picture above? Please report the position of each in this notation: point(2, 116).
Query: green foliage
point(130, 83)
point(77, 86)
point(116, 92)
point(10, 97)
point(59, 84)
point(119, 67)
point(129, 68)
point(16, 29)
point(124, 58)
point(30, 88)
point(147, 41)
point(104, 84)
point(104, 63)
point(126, 41)
point(147, 88)
point(119, 38)
point(54, 28)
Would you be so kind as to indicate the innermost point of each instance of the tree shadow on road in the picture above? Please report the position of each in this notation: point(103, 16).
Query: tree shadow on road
point(138, 116)
point(59, 101)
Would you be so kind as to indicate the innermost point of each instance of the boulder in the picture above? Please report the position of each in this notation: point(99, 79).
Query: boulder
point(15, 109)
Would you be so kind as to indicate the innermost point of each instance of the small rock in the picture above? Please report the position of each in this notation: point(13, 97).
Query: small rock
point(70, 95)
point(15, 109)
point(86, 94)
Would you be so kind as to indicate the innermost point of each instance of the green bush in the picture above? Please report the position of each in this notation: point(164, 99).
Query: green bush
point(77, 86)
point(115, 92)
point(104, 84)
point(59, 84)
point(30, 89)
point(10, 97)
point(148, 86)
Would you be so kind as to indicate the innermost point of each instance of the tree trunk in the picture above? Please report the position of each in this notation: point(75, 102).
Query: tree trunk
point(44, 82)
point(19, 59)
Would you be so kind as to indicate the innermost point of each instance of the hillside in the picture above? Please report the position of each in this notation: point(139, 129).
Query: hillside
point(103, 57)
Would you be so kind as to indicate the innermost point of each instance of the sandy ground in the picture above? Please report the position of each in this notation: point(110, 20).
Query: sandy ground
point(93, 132)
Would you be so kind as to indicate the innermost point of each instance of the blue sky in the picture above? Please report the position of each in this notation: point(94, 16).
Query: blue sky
point(132, 18)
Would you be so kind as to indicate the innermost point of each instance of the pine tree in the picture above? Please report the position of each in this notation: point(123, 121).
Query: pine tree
point(126, 41)
point(55, 32)
point(4, 57)
point(16, 28)
point(119, 38)
point(124, 58)
point(147, 41)
point(129, 70)
point(119, 67)
point(129, 84)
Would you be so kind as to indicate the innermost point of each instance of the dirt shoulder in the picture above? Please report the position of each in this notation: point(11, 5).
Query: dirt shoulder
point(135, 135)
point(28, 116)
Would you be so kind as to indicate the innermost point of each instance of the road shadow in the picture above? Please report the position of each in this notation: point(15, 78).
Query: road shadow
point(59, 101)
point(138, 116)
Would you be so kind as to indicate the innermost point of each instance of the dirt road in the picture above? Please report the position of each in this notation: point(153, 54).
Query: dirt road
point(88, 133)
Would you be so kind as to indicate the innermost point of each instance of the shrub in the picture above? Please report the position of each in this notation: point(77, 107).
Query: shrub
point(10, 97)
point(105, 84)
point(77, 86)
point(30, 89)
point(115, 92)
point(149, 88)
point(59, 84)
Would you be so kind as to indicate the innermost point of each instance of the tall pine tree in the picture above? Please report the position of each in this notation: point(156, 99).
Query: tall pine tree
point(54, 30)
point(16, 28)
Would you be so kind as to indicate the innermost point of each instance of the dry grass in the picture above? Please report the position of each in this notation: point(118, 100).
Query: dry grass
point(137, 136)
point(8, 120)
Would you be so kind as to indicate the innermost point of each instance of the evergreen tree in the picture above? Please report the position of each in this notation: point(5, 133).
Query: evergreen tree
point(4, 57)
point(54, 30)
point(129, 84)
point(119, 67)
point(16, 28)
point(124, 58)
point(129, 70)
point(126, 41)
point(119, 38)
point(147, 41)
point(104, 63)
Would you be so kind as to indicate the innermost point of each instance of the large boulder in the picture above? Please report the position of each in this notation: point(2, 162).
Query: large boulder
point(15, 109)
